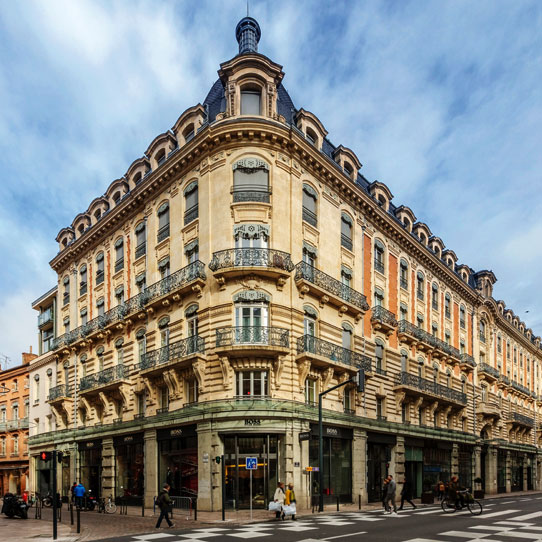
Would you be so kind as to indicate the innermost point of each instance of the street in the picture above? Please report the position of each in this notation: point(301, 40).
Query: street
point(503, 520)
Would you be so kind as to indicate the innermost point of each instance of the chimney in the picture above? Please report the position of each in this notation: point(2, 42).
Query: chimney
point(28, 357)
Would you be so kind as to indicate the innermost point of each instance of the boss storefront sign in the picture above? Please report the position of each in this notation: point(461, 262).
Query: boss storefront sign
point(332, 432)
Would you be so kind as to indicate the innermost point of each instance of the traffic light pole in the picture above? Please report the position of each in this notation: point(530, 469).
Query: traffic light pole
point(54, 497)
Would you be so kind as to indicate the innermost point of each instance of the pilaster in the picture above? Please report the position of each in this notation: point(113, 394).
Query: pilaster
point(359, 465)
point(108, 467)
point(508, 471)
point(455, 459)
point(151, 466)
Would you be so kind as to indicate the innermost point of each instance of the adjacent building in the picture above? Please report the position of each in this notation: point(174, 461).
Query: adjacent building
point(241, 266)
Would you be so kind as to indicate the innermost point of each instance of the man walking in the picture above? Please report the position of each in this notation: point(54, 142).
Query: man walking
point(406, 494)
point(164, 503)
point(390, 496)
point(79, 492)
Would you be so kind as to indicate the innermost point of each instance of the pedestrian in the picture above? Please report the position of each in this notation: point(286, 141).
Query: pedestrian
point(384, 495)
point(164, 503)
point(72, 489)
point(79, 492)
point(279, 497)
point(440, 490)
point(289, 498)
point(390, 495)
point(406, 494)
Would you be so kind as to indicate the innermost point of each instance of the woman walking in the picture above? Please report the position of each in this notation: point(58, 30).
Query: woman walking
point(279, 497)
point(406, 494)
point(290, 498)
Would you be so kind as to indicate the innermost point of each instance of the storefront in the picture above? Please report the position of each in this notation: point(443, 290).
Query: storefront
point(379, 447)
point(129, 466)
point(437, 462)
point(178, 460)
point(516, 471)
point(66, 482)
point(265, 447)
point(90, 466)
point(414, 465)
point(337, 468)
point(465, 465)
point(501, 471)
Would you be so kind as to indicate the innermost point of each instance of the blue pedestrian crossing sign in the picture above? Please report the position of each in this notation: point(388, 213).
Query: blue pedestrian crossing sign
point(251, 463)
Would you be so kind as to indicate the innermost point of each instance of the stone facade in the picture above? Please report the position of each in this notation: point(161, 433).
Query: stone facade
point(227, 278)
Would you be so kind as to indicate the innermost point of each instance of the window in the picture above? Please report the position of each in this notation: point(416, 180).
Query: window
point(100, 306)
point(141, 282)
point(3, 446)
point(309, 255)
point(420, 286)
point(188, 133)
point(347, 401)
point(346, 278)
point(379, 359)
point(36, 392)
point(462, 346)
point(141, 240)
point(163, 325)
point(311, 395)
point(3, 417)
point(379, 256)
point(482, 331)
point(66, 295)
point(141, 404)
point(163, 222)
point(251, 384)
point(508, 350)
point(66, 323)
point(163, 267)
point(420, 320)
point(347, 333)
point(251, 321)
point(191, 315)
point(403, 274)
point(251, 236)
point(83, 280)
point(404, 413)
point(404, 361)
point(164, 399)
point(15, 412)
point(447, 337)
point(119, 295)
point(309, 321)
point(379, 297)
point(192, 390)
point(380, 408)
point(311, 136)
point(251, 180)
point(15, 444)
point(403, 312)
point(250, 102)
point(99, 268)
point(447, 306)
point(434, 329)
point(161, 156)
point(84, 316)
point(141, 344)
point(462, 317)
point(483, 394)
point(15, 385)
point(119, 347)
point(434, 296)
point(100, 356)
point(309, 205)
point(346, 231)
point(499, 344)
point(119, 255)
point(191, 251)
point(191, 202)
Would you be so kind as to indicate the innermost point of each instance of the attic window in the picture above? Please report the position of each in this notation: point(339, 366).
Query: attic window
point(406, 222)
point(450, 262)
point(382, 200)
point(161, 156)
point(348, 169)
point(81, 229)
point(116, 198)
point(137, 178)
point(423, 238)
point(250, 102)
point(98, 214)
point(312, 138)
point(188, 133)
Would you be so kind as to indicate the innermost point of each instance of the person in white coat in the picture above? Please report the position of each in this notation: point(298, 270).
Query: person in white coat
point(279, 497)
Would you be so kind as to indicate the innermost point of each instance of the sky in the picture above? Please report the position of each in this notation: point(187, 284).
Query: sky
point(440, 100)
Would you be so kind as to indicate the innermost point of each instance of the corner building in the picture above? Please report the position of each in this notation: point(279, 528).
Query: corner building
point(241, 266)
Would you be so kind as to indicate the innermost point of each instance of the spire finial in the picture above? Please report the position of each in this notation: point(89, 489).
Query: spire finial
point(248, 33)
point(247, 10)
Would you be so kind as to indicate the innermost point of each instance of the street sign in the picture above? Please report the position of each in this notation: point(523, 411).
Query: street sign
point(251, 463)
point(306, 435)
point(312, 469)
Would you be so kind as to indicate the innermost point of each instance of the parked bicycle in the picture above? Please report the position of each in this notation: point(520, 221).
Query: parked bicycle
point(450, 505)
point(108, 505)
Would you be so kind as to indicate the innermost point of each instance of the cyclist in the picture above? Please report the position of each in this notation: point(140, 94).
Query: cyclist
point(455, 492)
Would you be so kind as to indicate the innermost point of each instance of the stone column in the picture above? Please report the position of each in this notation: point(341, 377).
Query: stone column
point(151, 465)
point(508, 473)
point(398, 463)
point(359, 465)
point(525, 467)
point(455, 459)
point(74, 461)
point(538, 466)
point(108, 467)
point(209, 471)
point(491, 470)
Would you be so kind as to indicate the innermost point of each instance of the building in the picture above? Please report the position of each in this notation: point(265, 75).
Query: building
point(14, 408)
point(228, 277)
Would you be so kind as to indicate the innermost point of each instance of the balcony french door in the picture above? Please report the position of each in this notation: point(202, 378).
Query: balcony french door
point(253, 251)
point(251, 324)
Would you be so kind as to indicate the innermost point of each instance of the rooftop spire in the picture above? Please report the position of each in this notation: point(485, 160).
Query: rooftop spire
point(248, 33)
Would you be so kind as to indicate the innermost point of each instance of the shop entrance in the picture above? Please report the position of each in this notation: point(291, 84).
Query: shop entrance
point(264, 479)
point(501, 471)
point(90, 466)
point(414, 469)
point(437, 459)
point(129, 473)
point(516, 471)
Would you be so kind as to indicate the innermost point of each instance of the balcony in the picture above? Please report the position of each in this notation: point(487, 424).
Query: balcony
point(520, 419)
point(329, 290)
point(416, 385)
point(252, 340)
point(383, 320)
point(15, 425)
point(467, 362)
point(489, 409)
point(45, 318)
point(240, 261)
point(108, 379)
point(251, 193)
point(326, 354)
point(310, 217)
point(521, 388)
point(412, 334)
point(140, 250)
point(487, 372)
point(59, 393)
point(189, 278)
point(175, 355)
point(503, 382)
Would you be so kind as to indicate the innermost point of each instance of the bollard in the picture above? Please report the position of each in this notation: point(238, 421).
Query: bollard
point(142, 507)
point(360, 501)
point(78, 520)
point(195, 509)
point(71, 513)
point(337, 504)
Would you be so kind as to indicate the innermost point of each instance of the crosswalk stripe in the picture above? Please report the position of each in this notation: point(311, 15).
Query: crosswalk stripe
point(500, 513)
point(465, 534)
point(435, 511)
point(527, 516)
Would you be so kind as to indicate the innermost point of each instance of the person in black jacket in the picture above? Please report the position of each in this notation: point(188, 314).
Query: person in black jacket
point(406, 494)
point(164, 503)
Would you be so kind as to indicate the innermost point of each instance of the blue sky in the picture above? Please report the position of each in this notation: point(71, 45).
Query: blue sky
point(441, 100)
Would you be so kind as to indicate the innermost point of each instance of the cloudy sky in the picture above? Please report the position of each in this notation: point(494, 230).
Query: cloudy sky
point(441, 100)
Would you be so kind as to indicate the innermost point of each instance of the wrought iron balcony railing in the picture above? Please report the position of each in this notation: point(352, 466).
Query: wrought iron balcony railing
point(191, 272)
point(521, 418)
point(248, 193)
point(346, 242)
point(45, 317)
point(305, 271)
point(333, 352)
point(256, 335)
point(505, 380)
point(422, 384)
point(101, 378)
point(310, 217)
point(140, 250)
point(62, 390)
point(521, 388)
point(191, 214)
point(173, 351)
point(251, 257)
point(425, 337)
point(487, 369)
point(384, 316)
point(163, 233)
point(119, 264)
point(468, 360)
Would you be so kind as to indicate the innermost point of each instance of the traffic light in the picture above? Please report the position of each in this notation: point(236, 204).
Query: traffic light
point(360, 380)
point(59, 456)
point(46, 456)
point(217, 459)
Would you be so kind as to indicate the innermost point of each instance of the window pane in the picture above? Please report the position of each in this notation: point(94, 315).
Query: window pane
point(309, 203)
point(192, 199)
point(346, 229)
point(250, 103)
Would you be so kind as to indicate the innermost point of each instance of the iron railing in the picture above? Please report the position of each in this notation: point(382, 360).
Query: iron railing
point(379, 266)
point(420, 295)
point(163, 233)
point(268, 336)
point(251, 257)
point(140, 250)
point(521, 418)
point(173, 351)
point(101, 378)
point(434, 388)
point(428, 338)
point(193, 271)
point(82, 287)
point(251, 194)
point(468, 359)
point(333, 352)
point(521, 388)
point(190, 215)
point(404, 283)
point(505, 380)
point(99, 277)
point(310, 217)
point(307, 272)
point(380, 314)
point(485, 368)
point(346, 241)
point(119, 264)
point(62, 390)
point(45, 317)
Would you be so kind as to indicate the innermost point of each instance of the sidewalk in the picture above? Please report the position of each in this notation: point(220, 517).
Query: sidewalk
point(96, 526)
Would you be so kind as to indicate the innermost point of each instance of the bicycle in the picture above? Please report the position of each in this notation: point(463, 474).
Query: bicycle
point(109, 507)
point(449, 506)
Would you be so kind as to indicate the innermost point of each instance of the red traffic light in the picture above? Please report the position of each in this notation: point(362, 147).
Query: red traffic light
point(45, 456)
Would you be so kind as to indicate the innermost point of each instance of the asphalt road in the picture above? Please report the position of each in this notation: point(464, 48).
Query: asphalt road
point(509, 519)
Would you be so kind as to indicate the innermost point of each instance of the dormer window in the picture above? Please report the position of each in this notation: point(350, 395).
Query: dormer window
point(189, 133)
point(138, 177)
point(348, 169)
point(311, 136)
point(161, 156)
point(250, 102)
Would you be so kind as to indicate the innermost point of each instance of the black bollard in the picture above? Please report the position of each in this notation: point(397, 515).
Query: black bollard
point(195, 509)
point(337, 504)
point(71, 513)
point(142, 507)
point(360, 502)
point(78, 520)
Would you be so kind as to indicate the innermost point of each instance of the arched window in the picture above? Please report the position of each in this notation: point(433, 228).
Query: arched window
point(191, 202)
point(379, 357)
point(434, 329)
point(421, 363)
point(420, 321)
point(482, 331)
point(192, 325)
point(250, 101)
point(349, 170)
point(346, 231)
point(251, 317)
point(462, 318)
point(311, 136)
point(434, 296)
point(100, 306)
point(250, 180)
point(119, 255)
point(309, 205)
point(141, 240)
point(188, 133)
point(163, 326)
point(119, 347)
point(309, 321)
point(100, 355)
point(83, 280)
point(508, 350)
point(404, 361)
point(163, 222)
point(347, 333)
point(161, 156)
point(99, 268)
point(83, 315)
point(379, 256)
point(420, 281)
point(499, 344)
point(448, 306)
point(449, 379)
point(379, 297)
point(138, 177)
point(435, 374)
point(403, 311)
point(66, 295)
point(403, 274)
point(141, 345)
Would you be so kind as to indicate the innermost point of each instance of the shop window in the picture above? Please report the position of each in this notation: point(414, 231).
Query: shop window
point(251, 180)
point(130, 466)
point(83, 280)
point(250, 102)
point(346, 231)
point(379, 256)
point(191, 203)
point(251, 384)
point(311, 394)
point(141, 240)
point(163, 222)
point(99, 268)
point(310, 198)
point(403, 274)
point(119, 255)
